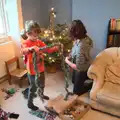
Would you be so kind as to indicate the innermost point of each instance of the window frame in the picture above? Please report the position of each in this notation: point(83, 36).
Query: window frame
point(4, 18)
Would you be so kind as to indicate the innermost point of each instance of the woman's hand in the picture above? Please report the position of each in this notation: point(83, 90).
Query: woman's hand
point(72, 65)
point(66, 59)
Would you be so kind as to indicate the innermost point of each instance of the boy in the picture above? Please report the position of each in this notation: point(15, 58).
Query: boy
point(29, 46)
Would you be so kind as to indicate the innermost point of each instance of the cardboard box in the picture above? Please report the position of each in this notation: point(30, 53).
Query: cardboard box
point(78, 110)
point(59, 104)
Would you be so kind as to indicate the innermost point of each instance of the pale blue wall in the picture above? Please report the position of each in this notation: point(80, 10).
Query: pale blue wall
point(39, 10)
point(63, 9)
point(44, 16)
point(36, 10)
point(95, 14)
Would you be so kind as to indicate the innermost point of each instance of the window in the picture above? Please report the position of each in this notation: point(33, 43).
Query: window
point(3, 20)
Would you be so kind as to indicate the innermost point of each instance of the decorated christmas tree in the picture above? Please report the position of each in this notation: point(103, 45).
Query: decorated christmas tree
point(56, 34)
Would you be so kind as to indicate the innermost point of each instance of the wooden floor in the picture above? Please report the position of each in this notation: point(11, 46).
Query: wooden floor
point(54, 87)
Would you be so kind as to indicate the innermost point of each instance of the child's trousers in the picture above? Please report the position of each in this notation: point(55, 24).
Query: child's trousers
point(78, 79)
point(34, 85)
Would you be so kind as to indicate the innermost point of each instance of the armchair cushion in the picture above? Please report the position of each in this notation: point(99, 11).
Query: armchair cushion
point(109, 95)
point(96, 73)
point(112, 73)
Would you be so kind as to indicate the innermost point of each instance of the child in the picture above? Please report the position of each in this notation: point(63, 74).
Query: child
point(29, 46)
point(80, 56)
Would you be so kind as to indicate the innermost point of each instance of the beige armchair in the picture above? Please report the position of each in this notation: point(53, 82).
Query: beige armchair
point(105, 73)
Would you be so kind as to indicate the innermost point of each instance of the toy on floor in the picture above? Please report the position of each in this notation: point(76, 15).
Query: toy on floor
point(43, 114)
point(14, 115)
point(6, 115)
point(74, 112)
point(10, 92)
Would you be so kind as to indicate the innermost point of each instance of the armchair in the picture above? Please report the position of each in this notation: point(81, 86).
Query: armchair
point(105, 73)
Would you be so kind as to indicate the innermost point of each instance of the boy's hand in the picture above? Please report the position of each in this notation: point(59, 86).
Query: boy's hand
point(59, 47)
point(34, 48)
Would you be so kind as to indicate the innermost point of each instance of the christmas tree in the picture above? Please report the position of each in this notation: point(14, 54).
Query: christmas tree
point(56, 34)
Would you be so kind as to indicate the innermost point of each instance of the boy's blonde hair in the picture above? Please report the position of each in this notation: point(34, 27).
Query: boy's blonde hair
point(29, 26)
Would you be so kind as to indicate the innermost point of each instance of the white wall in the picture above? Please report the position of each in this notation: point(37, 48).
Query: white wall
point(14, 28)
point(95, 14)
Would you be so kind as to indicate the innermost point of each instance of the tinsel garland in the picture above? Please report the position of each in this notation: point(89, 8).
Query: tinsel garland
point(67, 75)
point(37, 75)
point(65, 69)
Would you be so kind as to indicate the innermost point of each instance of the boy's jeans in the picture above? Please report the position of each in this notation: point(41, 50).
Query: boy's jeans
point(34, 85)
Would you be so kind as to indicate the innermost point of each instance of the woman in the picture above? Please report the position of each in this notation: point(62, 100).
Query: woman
point(79, 59)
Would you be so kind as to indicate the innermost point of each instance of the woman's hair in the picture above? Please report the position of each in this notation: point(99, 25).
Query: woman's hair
point(29, 26)
point(77, 29)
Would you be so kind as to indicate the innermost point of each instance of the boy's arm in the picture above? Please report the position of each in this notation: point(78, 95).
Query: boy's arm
point(25, 49)
point(52, 49)
point(48, 50)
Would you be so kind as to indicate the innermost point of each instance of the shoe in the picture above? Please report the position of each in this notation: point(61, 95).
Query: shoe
point(33, 107)
point(45, 97)
point(25, 93)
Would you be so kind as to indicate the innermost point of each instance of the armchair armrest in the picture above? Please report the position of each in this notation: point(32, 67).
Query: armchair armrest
point(96, 73)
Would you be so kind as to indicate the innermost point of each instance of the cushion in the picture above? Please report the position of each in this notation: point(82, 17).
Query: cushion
point(112, 73)
point(109, 95)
